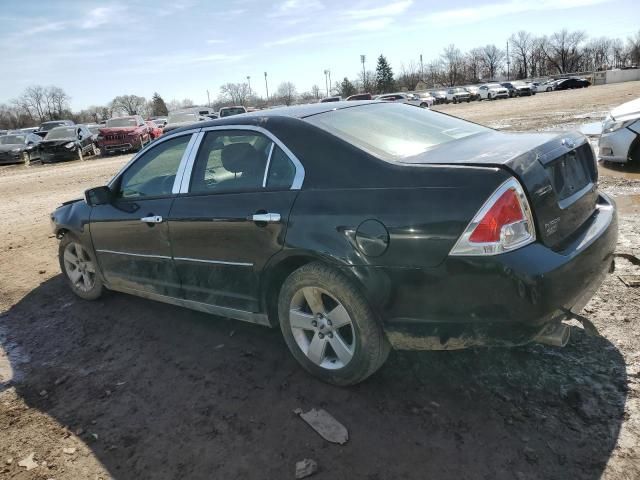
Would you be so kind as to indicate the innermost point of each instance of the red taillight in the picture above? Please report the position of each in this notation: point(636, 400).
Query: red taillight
point(503, 223)
point(506, 210)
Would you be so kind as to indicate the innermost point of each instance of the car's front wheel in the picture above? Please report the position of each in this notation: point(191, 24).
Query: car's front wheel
point(79, 267)
point(329, 326)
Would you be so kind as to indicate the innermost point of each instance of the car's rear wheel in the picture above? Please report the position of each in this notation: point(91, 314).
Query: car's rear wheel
point(26, 158)
point(424, 105)
point(329, 326)
point(80, 268)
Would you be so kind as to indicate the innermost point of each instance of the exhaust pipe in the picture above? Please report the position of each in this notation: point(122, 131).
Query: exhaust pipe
point(556, 335)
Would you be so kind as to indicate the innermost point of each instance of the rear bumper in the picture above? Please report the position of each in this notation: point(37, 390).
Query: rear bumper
point(501, 300)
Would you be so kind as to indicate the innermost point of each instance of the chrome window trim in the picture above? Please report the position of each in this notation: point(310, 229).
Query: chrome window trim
point(215, 262)
point(298, 179)
point(186, 164)
point(149, 146)
point(266, 170)
point(114, 252)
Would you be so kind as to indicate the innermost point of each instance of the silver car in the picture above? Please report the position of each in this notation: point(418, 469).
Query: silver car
point(620, 139)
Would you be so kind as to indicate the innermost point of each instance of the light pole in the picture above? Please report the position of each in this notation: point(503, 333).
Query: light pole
point(364, 74)
point(421, 69)
point(249, 82)
point(326, 72)
point(266, 86)
point(208, 99)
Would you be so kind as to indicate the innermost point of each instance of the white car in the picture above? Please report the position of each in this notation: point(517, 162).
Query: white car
point(402, 97)
point(457, 95)
point(548, 86)
point(425, 98)
point(620, 139)
point(492, 91)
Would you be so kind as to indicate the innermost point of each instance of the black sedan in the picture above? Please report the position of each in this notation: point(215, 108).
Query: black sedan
point(354, 227)
point(19, 148)
point(67, 143)
point(570, 83)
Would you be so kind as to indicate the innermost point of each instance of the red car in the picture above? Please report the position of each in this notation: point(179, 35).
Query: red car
point(123, 134)
point(154, 129)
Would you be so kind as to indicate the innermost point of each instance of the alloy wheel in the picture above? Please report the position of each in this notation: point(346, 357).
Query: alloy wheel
point(79, 267)
point(322, 328)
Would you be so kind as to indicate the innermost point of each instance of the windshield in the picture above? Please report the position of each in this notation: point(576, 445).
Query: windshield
point(231, 111)
point(121, 122)
point(394, 131)
point(60, 133)
point(11, 139)
point(50, 125)
point(182, 117)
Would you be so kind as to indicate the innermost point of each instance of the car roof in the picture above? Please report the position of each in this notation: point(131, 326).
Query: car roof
point(296, 111)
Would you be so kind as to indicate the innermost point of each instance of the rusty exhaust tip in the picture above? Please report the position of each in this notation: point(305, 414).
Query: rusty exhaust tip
point(556, 335)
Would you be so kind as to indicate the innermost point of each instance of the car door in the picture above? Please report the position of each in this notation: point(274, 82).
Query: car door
point(232, 216)
point(130, 235)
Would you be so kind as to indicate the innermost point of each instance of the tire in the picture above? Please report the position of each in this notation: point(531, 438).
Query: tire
point(26, 158)
point(489, 96)
point(468, 100)
point(360, 339)
point(634, 157)
point(455, 100)
point(79, 267)
point(424, 105)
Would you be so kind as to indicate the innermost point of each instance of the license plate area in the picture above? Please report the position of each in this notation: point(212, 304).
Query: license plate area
point(570, 173)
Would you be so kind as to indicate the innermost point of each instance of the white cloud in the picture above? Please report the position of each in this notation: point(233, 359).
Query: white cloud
point(485, 12)
point(296, 8)
point(45, 27)
point(392, 9)
point(101, 16)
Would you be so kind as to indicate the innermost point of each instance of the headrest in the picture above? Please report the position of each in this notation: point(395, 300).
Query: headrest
point(239, 157)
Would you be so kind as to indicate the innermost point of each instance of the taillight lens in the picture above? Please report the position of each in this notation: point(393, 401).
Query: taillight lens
point(503, 223)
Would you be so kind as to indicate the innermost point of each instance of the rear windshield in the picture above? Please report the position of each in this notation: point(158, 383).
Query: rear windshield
point(227, 112)
point(46, 126)
point(60, 133)
point(121, 122)
point(11, 139)
point(394, 131)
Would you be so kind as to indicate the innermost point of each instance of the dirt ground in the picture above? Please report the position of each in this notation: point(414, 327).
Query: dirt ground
point(131, 389)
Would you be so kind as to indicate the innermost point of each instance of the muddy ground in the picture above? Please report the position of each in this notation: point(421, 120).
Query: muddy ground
point(131, 389)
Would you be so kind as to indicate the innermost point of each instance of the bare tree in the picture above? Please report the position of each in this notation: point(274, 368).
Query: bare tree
point(129, 104)
point(286, 92)
point(409, 76)
point(474, 59)
point(633, 48)
point(315, 90)
point(368, 82)
point(492, 58)
point(522, 43)
point(237, 93)
point(562, 50)
point(452, 61)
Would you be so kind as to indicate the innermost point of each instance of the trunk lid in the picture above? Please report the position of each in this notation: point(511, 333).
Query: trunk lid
point(557, 170)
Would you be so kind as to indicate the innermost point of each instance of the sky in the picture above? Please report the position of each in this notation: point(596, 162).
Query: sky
point(96, 50)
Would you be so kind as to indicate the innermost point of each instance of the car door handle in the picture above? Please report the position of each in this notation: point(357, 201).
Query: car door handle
point(152, 219)
point(266, 217)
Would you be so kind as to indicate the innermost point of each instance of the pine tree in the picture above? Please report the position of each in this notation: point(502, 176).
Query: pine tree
point(158, 107)
point(384, 76)
point(347, 88)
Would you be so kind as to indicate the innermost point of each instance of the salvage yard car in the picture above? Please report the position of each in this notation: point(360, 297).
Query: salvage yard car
point(492, 91)
point(123, 134)
point(45, 127)
point(67, 143)
point(457, 95)
point(620, 139)
point(19, 147)
point(354, 226)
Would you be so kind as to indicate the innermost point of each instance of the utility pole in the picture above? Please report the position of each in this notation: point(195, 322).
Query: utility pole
point(421, 69)
point(364, 74)
point(266, 86)
point(208, 99)
point(326, 84)
point(508, 63)
point(249, 82)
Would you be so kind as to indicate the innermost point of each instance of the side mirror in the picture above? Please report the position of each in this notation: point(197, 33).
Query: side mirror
point(98, 196)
